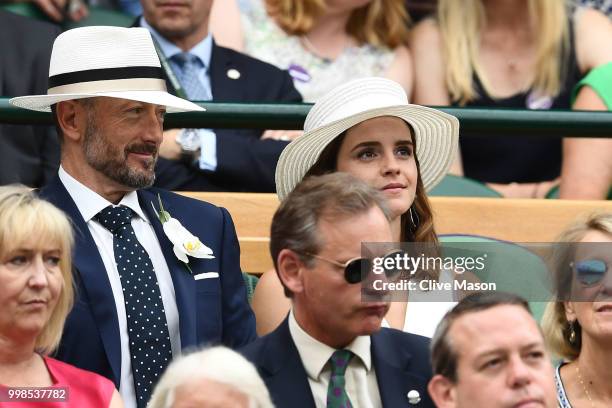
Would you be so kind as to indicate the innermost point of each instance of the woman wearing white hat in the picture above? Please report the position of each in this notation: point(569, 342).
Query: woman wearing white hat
point(367, 128)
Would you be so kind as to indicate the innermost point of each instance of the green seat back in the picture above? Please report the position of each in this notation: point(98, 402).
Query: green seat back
point(554, 193)
point(97, 16)
point(250, 281)
point(512, 267)
point(457, 186)
point(26, 9)
point(102, 17)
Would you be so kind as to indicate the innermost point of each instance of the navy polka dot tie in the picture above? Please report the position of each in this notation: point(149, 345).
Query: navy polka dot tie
point(150, 348)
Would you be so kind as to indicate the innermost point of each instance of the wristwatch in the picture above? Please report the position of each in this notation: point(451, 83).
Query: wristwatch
point(190, 144)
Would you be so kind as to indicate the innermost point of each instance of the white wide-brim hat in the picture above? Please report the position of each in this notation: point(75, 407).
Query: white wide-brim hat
point(436, 133)
point(96, 61)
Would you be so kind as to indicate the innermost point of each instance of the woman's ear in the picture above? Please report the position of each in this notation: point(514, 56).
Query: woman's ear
point(570, 311)
point(290, 268)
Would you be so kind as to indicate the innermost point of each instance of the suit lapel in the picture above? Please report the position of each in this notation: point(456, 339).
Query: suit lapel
point(182, 280)
point(392, 371)
point(89, 264)
point(283, 370)
point(222, 86)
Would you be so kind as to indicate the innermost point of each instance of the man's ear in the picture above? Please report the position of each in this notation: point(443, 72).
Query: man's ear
point(72, 117)
point(290, 268)
point(442, 392)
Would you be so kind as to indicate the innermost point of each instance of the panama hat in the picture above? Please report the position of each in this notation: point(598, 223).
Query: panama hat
point(115, 62)
point(436, 132)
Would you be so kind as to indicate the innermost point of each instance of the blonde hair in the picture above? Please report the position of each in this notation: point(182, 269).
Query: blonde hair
point(379, 23)
point(26, 218)
point(219, 364)
point(461, 24)
point(555, 325)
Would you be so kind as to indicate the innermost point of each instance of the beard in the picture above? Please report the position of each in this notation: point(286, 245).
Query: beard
point(105, 157)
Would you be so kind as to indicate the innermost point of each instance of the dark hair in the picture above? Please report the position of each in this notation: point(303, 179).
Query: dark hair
point(331, 196)
point(425, 231)
point(443, 356)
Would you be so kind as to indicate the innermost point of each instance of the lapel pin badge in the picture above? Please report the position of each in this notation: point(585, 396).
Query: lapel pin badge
point(233, 73)
point(414, 397)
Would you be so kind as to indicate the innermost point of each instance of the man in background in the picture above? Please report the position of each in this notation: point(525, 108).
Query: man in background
point(198, 69)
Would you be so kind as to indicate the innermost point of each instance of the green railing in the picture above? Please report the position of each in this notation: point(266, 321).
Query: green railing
point(291, 116)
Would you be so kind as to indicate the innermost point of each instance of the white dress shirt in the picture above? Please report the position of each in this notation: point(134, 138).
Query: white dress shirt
point(89, 204)
point(361, 382)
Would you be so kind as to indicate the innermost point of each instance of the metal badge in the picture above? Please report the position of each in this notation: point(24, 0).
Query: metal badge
point(413, 397)
point(233, 73)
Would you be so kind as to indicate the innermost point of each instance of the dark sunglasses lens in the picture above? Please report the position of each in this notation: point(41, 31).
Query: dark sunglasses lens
point(590, 271)
point(356, 269)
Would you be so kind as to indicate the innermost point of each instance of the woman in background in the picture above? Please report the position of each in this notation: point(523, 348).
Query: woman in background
point(518, 54)
point(323, 43)
point(36, 295)
point(578, 326)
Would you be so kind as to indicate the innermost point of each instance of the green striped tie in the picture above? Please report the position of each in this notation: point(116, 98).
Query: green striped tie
point(336, 391)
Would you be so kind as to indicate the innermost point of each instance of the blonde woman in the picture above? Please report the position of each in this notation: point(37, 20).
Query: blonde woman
point(524, 54)
point(323, 43)
point(578, 326)
point(35, 298)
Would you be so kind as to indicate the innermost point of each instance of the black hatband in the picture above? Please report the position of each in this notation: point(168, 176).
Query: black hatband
point(105, 74)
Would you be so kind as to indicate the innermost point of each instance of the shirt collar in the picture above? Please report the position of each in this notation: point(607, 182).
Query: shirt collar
point(202, 50)
point(315, 354)
point(91, 203)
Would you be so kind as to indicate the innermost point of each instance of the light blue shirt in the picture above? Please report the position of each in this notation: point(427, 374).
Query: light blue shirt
point(202, 50)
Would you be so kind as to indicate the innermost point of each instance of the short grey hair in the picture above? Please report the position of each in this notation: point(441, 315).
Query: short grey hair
point(219, 364)
point(331, 196)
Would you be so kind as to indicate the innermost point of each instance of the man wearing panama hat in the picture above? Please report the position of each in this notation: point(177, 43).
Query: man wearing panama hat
point(155, 272)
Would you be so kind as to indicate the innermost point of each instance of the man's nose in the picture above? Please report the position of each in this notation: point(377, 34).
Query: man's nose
point(519, 373)
point(153, 128)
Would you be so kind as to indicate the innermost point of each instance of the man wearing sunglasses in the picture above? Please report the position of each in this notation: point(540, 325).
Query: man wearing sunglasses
point(331, 351)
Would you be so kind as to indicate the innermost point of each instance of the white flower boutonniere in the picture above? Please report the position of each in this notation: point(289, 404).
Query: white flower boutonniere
point(185, 243)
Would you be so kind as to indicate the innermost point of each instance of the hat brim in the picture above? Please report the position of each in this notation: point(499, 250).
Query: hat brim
point(42, 103)
point(436, 134)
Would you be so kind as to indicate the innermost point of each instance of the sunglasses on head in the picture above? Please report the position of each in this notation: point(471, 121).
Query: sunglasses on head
point(356, 269)
point(590, 272)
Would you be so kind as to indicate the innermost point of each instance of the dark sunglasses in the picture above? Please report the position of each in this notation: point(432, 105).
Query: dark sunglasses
point(356, 269)
point(590, 272)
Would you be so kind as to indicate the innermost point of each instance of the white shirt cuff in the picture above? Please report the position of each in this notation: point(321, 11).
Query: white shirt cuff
point(208, 149)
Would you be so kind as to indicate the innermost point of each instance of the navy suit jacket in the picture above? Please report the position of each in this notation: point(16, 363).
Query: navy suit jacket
point(211, 311)
point(244, 161)
point(400, 360)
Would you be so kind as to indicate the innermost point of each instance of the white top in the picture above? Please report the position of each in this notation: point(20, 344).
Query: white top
point(89, 204)
point(361, 383)
point(425, 310)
